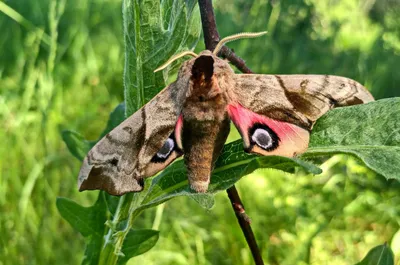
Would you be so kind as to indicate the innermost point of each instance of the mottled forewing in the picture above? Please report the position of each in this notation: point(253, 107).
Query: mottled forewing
point(121, 159)
point(283, 108)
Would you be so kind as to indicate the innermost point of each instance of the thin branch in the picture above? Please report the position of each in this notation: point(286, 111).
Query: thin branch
point(235, 60)
point(244, 222)
point(211, 36)
point(211, 39)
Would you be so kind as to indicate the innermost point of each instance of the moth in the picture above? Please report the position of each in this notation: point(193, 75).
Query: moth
point(191, 117)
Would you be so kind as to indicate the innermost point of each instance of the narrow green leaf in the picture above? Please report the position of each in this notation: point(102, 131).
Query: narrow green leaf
point(379, 255)
point(370, 132)
point(112, 202)
point(138, 241)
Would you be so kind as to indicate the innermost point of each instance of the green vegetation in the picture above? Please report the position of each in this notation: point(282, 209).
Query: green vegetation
point(61, 67)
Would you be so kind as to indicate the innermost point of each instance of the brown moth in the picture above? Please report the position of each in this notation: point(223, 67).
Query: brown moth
point(273, 113)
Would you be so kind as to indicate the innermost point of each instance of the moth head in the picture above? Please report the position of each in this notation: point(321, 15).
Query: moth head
point(213, 54)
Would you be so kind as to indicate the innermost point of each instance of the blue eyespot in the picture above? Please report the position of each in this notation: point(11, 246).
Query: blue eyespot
point(166, 149)
point(264, 137)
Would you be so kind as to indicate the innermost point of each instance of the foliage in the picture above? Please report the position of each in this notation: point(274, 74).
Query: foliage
point(369, 132)
point(153, 32)
point(62, 67)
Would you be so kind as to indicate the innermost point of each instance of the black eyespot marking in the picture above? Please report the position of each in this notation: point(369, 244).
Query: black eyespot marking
point(114, 162)
point(141, 182)
point(127, 129)
point(333, 102)
point(264, 137)
point(166, 150)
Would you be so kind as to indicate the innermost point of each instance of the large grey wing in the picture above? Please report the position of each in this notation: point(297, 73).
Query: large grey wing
point(139, 147)
point(275, 113)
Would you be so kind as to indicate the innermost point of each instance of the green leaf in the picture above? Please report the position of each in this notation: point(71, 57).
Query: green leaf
point(206, 201)
point(370, 132)
point(116, 117)
point(83, 219)
point(233, 164)
point(89, 221)
point(76, 143)
point(380, 255)
point(150, 40)
point(138, 241)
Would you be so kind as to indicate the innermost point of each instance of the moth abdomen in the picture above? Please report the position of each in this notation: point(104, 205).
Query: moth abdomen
point(202, 144)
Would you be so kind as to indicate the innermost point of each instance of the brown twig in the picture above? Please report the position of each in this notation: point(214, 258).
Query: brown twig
point(244, 222)
point(235, 60)
point(211, 36)
point(211, 39)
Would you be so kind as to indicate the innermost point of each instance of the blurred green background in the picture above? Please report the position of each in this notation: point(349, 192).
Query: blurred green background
point(61, 67)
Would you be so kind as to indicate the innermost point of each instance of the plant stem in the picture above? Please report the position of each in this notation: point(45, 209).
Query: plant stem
point(244, 222)
point(211, 39)
point(211, 36)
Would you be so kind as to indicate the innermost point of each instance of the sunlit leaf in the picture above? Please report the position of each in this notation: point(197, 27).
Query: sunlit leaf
point(83, 219)
point(369, 131)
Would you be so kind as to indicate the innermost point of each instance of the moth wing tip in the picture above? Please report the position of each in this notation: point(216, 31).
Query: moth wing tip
point(82, 183)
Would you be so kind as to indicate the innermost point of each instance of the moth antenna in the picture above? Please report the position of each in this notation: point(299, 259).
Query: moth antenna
point(236, 37)
point(175, 57)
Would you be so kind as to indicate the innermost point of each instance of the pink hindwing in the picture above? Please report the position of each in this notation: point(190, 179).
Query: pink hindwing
point(178, 131)
point(266, 136)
